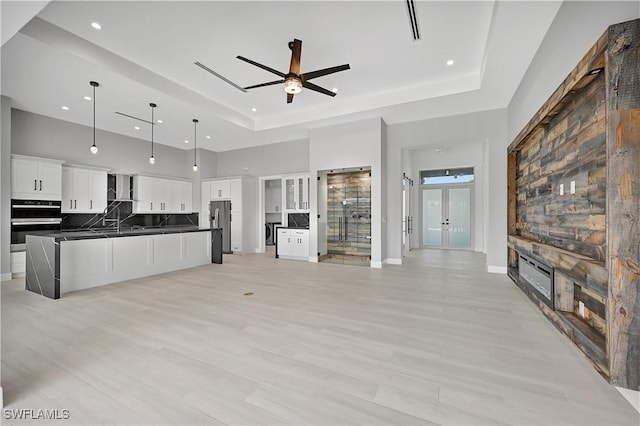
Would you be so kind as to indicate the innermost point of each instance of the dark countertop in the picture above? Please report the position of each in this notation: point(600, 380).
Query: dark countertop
point(127, 232)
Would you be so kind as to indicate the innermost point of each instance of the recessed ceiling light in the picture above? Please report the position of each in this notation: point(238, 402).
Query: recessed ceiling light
point(160, 121)
point(136, 127)
point(450, 62)
point(66, 108)
point(334, 90)
point(96, 25)
point(186, 141)
point(208, 137)
point(87, 98)
point(254, 109)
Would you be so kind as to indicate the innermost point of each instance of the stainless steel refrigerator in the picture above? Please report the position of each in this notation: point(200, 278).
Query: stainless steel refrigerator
point(221, 219)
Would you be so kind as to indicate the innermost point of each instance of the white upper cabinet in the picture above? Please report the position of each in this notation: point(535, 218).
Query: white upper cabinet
point(220, 190)
point(296, 193)
point(159, 195)
point(143, 194)
point(181, 196)
point(83, 190)
point(36, 178)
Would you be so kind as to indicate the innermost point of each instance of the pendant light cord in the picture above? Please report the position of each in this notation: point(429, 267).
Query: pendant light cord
point(94, 115)
point(195, 140)
point(152, 125)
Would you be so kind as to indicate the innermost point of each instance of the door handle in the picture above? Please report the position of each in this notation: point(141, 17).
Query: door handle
point(70, 204)
point(91, 204)
point(40, 185)
point(151, 205)
point(75, 204)
point(35, 184)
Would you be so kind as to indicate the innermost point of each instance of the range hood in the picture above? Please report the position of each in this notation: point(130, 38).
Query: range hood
point(119, 187)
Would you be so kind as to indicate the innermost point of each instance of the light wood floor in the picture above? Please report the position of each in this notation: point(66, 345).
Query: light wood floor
point(436, 341)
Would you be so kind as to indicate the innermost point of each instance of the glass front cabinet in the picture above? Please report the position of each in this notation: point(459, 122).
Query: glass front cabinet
point(296, 193)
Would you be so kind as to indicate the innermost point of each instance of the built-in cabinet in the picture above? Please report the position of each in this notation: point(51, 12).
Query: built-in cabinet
point(242, 192)
point(160, 195)
point(293, 244)
point(296, 193)
point(84, 190)
point(36, 178)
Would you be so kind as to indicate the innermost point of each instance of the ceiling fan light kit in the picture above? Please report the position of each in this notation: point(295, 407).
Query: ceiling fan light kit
point(293, 85)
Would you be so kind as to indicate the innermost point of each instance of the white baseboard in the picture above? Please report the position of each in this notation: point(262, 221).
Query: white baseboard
point(496, 269)
point(632, 396)
point(313, 259)
point(1, 398)
point(376, 264)
point(392, 261)
point(5, 277)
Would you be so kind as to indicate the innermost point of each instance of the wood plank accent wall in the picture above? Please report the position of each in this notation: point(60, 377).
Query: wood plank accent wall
point(588, 131)
point(570, 147)
point(623, 212)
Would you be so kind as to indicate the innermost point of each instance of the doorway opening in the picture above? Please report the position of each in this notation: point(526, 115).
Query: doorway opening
point(348, 225)
point(447, 208)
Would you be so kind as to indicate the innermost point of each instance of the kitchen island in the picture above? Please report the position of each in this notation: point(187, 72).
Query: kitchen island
point(68, 261)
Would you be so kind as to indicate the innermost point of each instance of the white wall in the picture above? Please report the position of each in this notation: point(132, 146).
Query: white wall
point(265, 160)
point(459, 130)
point(454, 155)
point(576, 27)
point(5, 189)
point(40, 136)
point(355, 144)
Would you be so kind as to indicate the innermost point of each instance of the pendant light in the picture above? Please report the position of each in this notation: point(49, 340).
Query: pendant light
point(195, 144)
point(94, 148)
point(152, 159)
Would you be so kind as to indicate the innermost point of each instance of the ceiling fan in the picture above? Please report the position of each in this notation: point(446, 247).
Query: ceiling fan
point(293, 80)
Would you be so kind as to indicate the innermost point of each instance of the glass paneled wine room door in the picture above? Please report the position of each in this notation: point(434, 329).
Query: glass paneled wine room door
point(349, 217)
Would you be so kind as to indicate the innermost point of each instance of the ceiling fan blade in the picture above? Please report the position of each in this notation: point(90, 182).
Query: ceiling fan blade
point(296, 51)
point(316, 88)
point(271, 83)
point(289, 98)
point(264, 67)
point(326, 71)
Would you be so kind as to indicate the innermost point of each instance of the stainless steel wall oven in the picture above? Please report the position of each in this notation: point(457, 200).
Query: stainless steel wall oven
point(33, 217)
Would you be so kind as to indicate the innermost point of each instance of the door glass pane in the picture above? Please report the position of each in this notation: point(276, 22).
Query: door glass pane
point(460, 217)
point(289, 194)
point(349, 217)
point(432, 217)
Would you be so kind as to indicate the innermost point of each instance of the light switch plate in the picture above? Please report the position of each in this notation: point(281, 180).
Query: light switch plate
point(573, 186)
point(562, 189)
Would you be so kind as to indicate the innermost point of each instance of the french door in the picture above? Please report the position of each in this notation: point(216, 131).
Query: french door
point(447, 213)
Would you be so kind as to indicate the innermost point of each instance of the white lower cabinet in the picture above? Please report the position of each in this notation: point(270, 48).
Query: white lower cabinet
point(96, 262)
point(293, 244)
point(18, 263)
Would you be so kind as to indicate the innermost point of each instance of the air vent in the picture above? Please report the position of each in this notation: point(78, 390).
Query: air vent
point(413, 20)
point(221, 77)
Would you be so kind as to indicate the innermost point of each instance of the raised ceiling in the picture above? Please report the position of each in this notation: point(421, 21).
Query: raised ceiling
point(145, 52)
